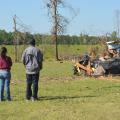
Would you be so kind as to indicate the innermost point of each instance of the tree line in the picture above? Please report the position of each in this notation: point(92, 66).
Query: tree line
point(82, 39)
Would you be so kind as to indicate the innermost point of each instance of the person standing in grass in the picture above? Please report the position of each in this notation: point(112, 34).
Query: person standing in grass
point(5, 75)
point(32, 59)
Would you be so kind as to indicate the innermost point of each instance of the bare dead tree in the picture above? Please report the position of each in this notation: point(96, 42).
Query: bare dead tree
point(117, 13)
point(59, 22)
point(15, 38)
point(19, 36)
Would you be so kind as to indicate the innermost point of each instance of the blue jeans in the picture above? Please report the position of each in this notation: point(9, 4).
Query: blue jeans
point(5, 77)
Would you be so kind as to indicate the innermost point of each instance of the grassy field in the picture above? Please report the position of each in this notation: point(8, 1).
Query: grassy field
point(63, 96)
point(64, 50)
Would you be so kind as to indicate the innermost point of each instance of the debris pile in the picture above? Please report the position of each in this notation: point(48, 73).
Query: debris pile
point(104, 65)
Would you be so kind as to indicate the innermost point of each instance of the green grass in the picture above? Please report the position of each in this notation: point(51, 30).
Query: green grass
point(68, 50)
point(49, 50)
point(63, 96)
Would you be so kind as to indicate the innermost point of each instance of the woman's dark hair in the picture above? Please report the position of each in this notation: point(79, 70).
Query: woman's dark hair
point(3, 51)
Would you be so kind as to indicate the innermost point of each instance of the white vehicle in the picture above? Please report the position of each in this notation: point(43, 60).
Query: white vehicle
point(113, 46)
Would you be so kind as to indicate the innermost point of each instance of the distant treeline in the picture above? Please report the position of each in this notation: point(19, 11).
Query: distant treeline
point(23, 38)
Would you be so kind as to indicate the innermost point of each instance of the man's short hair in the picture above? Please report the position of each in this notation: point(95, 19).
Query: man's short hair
point(32, 42)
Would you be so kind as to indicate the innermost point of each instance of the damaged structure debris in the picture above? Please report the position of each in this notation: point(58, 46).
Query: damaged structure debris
point(105, 65)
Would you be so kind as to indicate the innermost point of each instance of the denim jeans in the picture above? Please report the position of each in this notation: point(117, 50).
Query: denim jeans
point(32, 81)
point(5, 77)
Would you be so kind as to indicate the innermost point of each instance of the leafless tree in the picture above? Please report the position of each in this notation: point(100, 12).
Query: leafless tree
point(117, 14)
point(19, 35)
point(15, 39)
point(59, 22)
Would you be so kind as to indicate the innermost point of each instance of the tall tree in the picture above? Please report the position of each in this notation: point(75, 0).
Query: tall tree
point(15, 39)
point(59, 22)
point(117, 12)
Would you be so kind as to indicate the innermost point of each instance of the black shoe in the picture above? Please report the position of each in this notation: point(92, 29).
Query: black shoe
point(1, 100)
point(27, 99)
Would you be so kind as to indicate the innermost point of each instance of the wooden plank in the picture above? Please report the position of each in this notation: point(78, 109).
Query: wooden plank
point(88, 70)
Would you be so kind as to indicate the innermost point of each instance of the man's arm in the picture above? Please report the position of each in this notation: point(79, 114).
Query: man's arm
point(40, 59)
point(23, 58)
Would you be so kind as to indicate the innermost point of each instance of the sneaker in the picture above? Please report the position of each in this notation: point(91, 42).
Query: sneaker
point(34, 99)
